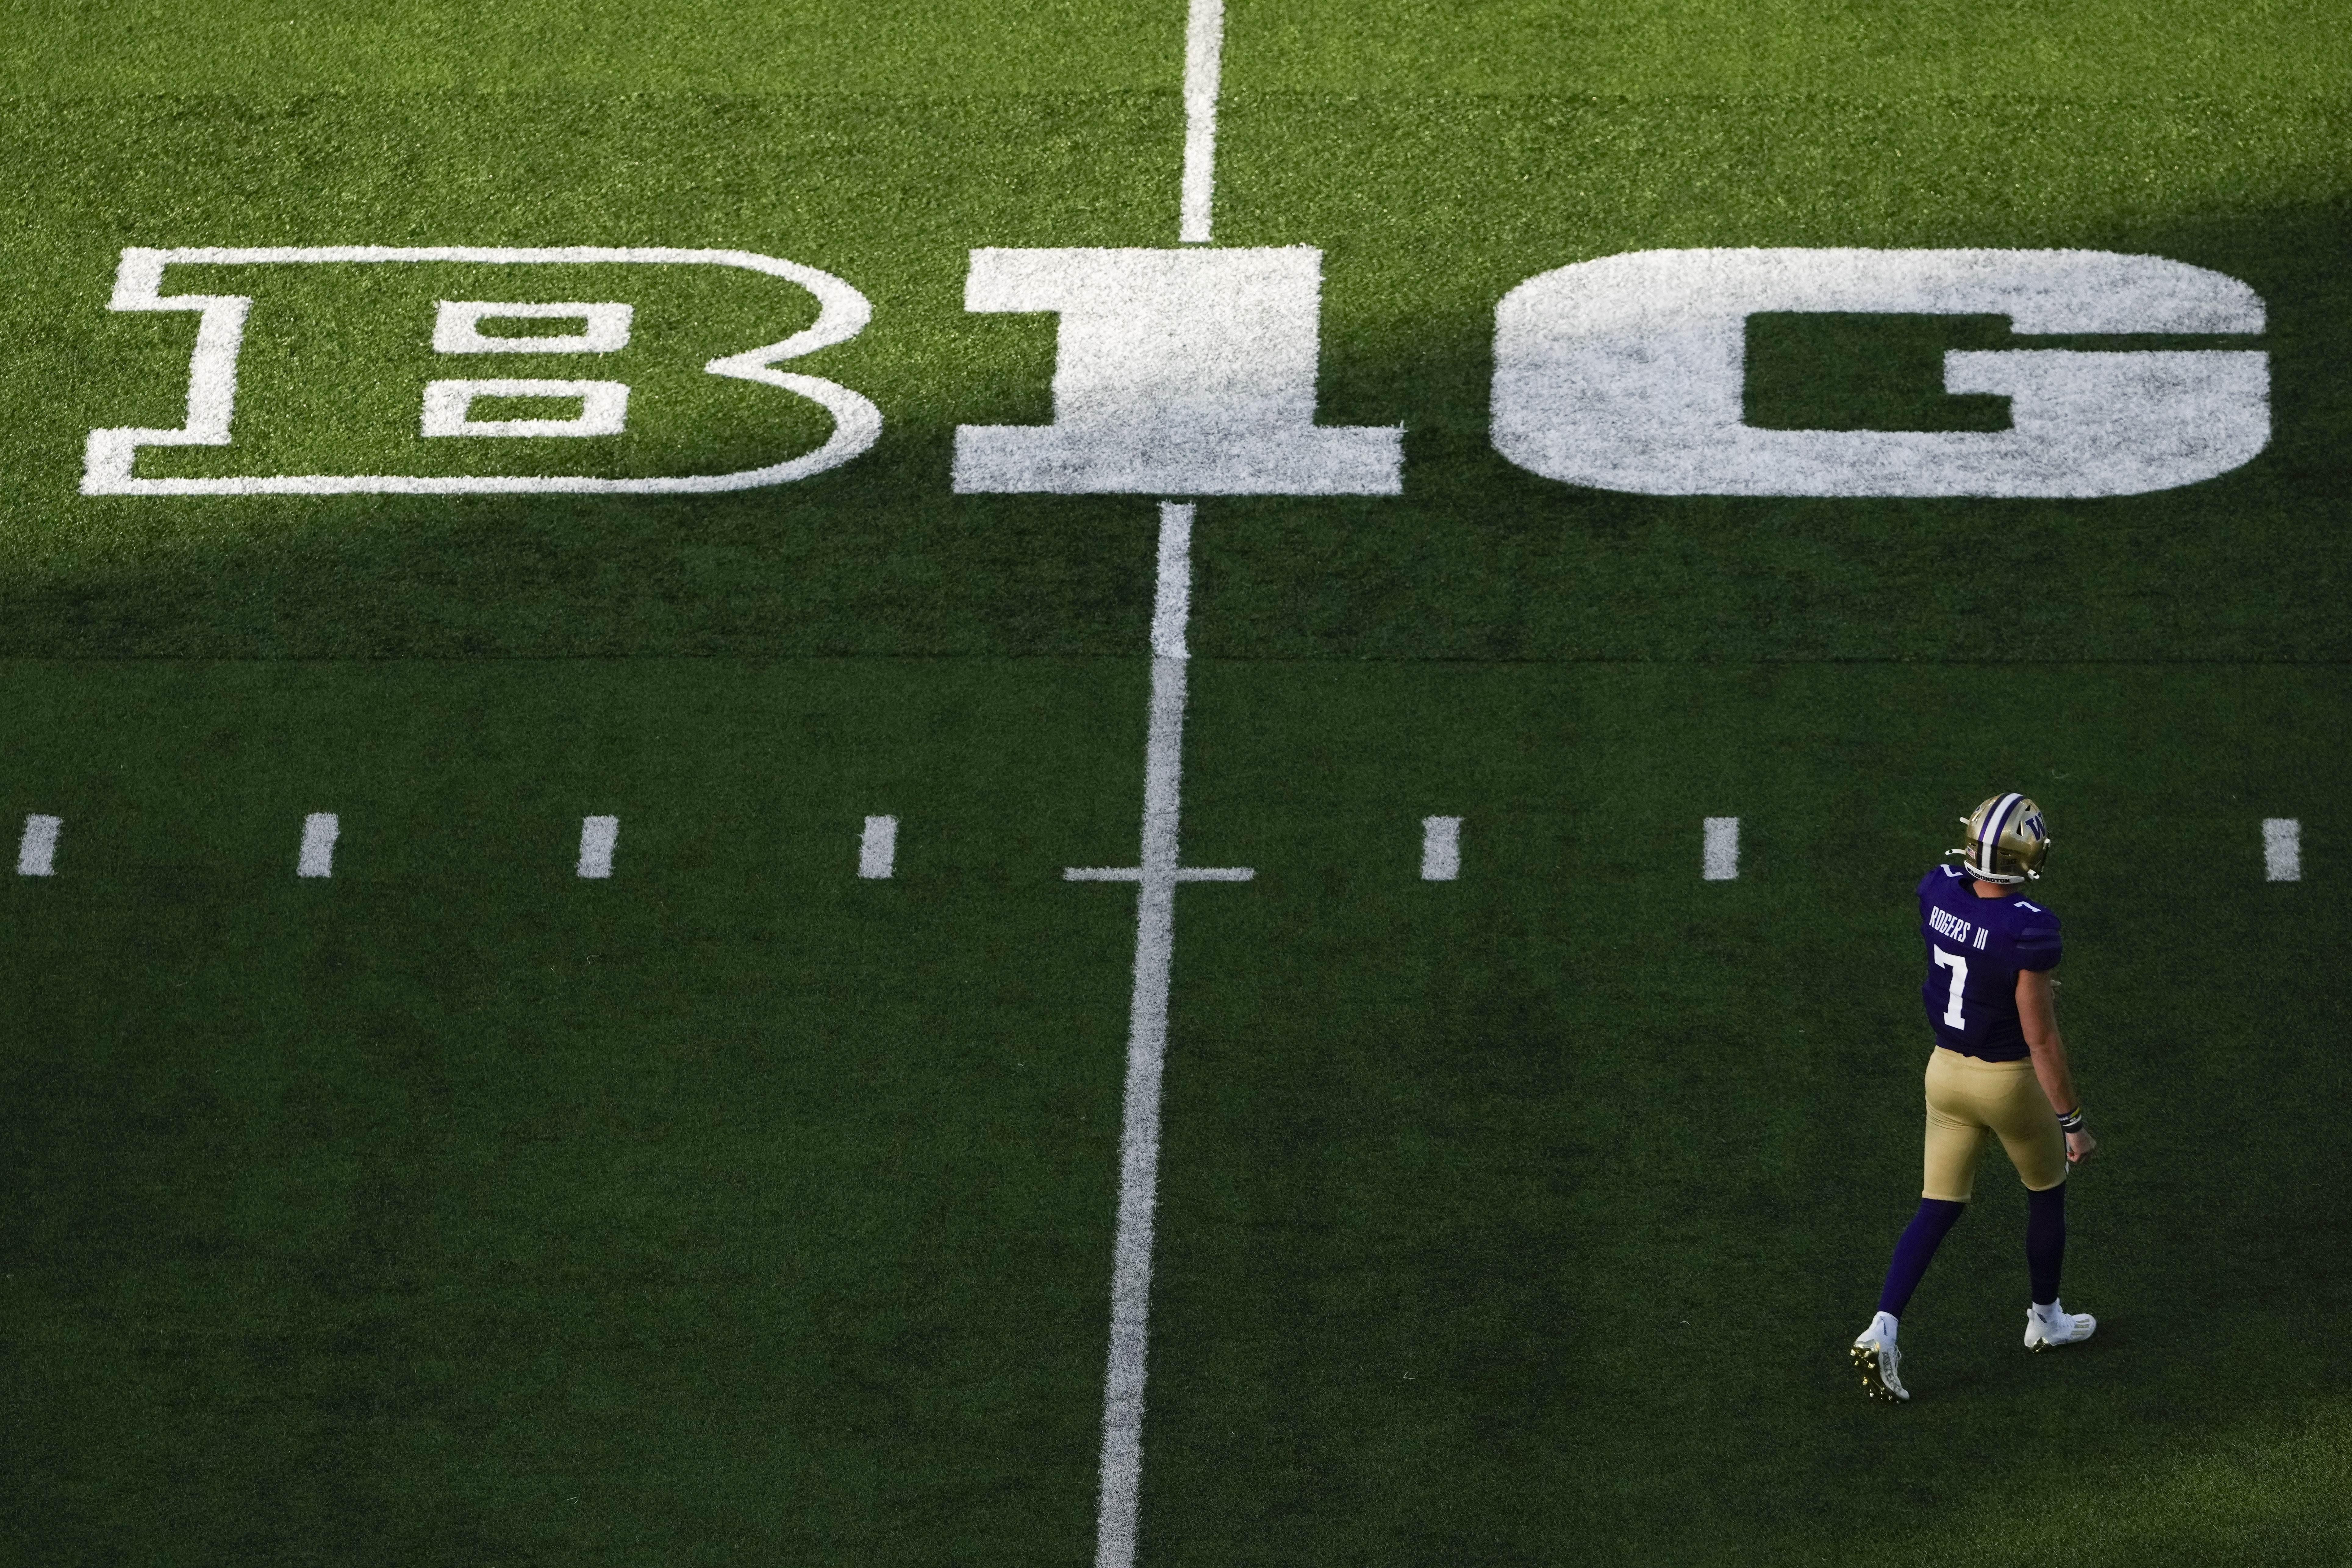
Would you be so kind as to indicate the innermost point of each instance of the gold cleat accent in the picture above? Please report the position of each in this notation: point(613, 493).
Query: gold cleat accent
point(1873, 1381)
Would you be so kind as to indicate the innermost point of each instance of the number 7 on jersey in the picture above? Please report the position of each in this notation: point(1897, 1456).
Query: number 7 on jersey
point(1960, 968)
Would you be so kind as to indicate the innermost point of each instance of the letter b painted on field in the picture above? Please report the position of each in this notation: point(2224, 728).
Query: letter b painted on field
point(1177, 373)
point(1627, 374)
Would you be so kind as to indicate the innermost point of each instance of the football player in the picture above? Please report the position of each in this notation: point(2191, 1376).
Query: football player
point(1999, 1067)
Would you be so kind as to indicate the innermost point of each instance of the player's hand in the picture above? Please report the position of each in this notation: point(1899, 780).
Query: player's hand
point(2080, 1146)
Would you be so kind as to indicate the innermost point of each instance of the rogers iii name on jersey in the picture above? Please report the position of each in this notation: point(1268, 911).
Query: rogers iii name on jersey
point(1975, 949)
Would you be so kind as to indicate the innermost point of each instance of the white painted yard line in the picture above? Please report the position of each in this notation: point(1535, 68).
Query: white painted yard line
point(878, 848)
point(1441, 849)
point(597, 837)
point(1204, 47)
point(319, 830)
point(2282, 849)
point(1157, 870)
point(1721, 860)
point(36, 852)
point(1119, 1504)
point(1122, 1496)
point(1156, 876)
point(1172, 602)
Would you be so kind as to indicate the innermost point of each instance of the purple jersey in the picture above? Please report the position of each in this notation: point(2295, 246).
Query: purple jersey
point(1975, 949)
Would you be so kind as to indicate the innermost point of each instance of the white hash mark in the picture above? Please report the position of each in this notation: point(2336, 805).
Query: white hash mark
point(36, 852)
point(1721, 860)
point(598, 834)
point(2282, 849)
point(878, 848)
point(319, 833)
point(1441, 849)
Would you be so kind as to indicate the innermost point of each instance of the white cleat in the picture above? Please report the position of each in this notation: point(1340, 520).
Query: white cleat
point(1875, 1357)
point(2056, 1326)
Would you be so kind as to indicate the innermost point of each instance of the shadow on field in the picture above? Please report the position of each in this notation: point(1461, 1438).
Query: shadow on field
point(1478, 560)
point(1608, 1285)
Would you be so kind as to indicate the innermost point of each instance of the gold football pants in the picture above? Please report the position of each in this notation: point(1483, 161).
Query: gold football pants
point(1967, 1098)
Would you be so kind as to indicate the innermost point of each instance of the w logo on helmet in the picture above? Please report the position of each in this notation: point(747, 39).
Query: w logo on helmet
point(2008, 840)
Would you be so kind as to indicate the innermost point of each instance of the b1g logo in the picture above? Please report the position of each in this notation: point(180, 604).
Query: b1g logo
point(1191, 372)
point(474, 406)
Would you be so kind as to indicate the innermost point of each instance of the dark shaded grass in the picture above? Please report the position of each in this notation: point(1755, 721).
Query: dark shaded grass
point(455, 1208)
point(1538, 1208)
point(759, 1209)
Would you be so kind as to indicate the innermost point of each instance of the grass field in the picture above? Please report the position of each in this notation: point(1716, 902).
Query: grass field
point(455, 1208)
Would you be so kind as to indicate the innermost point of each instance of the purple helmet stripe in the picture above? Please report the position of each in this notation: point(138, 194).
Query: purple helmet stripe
point(1989, 838)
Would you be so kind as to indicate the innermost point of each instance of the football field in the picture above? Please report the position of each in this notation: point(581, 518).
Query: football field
point(982, 782)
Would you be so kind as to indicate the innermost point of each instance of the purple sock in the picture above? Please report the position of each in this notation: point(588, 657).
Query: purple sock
point(2045, 1241)
point(1915, 1251)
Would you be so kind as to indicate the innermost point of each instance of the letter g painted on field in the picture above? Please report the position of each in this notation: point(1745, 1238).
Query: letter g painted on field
point(1627, 374)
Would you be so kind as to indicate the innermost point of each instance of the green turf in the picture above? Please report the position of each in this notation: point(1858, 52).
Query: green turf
point(736, 1204)
point(458, 1210)
point(1478, 559)
point(1515, 1213)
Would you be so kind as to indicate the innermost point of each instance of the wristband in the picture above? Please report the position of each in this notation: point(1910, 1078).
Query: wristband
point(2071, 1121)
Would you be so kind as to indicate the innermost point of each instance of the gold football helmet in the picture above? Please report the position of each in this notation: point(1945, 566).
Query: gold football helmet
point(2008, 840)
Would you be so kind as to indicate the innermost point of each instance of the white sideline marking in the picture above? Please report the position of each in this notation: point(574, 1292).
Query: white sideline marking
point(1155, 876)
point(878, 848)
point(319, 832)
point(1722, 856)
point(36, 852)
point(2282, 849)
point(1204, 47)
point(597, 837)
point(1441, 849)
point(111, 453)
